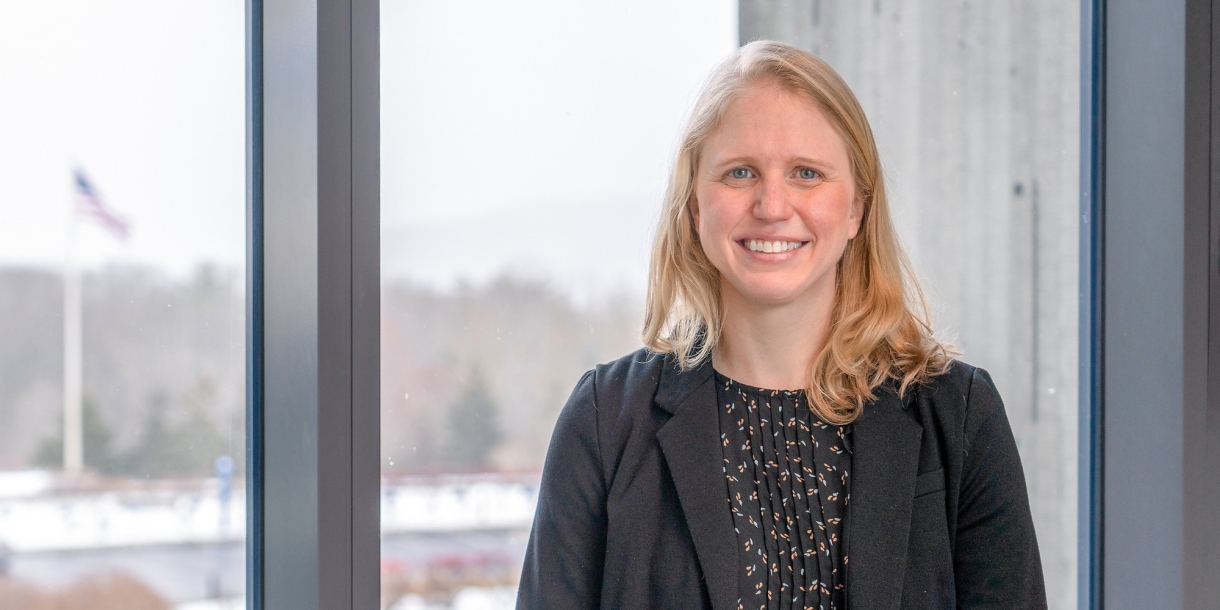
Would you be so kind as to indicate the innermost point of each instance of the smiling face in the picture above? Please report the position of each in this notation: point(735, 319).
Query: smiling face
point(775, 201)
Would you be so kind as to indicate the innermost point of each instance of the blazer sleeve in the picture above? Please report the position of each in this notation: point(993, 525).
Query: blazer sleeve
point(996, 560)
point(566, 550)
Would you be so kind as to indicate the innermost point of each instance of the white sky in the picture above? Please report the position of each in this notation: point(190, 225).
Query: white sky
point(531, 136)
point(536, 136)
point(147, 97)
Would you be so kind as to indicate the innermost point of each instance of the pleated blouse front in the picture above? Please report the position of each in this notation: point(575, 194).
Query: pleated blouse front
point(788, 477)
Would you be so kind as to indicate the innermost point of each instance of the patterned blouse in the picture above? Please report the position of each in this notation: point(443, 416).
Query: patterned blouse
point(788, 489)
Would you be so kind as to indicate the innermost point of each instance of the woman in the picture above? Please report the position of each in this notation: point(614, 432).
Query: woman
point(792, 436)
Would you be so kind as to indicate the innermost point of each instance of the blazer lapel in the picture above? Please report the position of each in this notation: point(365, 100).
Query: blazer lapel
point(690, 441)
point(885, 460)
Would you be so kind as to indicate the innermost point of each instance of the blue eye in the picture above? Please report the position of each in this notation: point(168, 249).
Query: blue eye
point(740, 173)
point(805, 173)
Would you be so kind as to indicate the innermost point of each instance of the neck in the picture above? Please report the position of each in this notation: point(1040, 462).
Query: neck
point(772, 346)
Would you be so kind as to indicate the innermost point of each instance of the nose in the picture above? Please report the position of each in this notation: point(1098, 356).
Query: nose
point(771, 203)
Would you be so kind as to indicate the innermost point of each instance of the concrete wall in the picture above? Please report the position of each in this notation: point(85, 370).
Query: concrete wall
point(975, 105)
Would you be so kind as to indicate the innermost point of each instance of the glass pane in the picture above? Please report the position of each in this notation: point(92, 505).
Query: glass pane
point(122, 246)
point(975, 107)
point(509, 129)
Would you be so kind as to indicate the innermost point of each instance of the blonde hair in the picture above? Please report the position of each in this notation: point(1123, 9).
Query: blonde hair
point(879, 326)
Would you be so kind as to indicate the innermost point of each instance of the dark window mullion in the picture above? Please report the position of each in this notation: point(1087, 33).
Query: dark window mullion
point(314, 304)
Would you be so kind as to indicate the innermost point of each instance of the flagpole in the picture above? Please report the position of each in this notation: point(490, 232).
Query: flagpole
point(73, 357)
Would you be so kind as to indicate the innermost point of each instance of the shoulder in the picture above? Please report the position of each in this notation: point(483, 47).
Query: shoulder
point(953, 383)
point(602, 396)
point(631, 378)
point(612, 404)
point(961, 386)
point(640, 366)
point(637, 368)
point(613, 389)
point(966, 407)
point(962, 401)
point(625, 386)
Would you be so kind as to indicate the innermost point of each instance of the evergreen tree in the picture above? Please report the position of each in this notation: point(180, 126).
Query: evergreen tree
point(96, 436)
point(472, 424)
point(180, 442)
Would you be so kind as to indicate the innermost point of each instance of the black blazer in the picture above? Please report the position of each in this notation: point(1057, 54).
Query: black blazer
point(633, 507)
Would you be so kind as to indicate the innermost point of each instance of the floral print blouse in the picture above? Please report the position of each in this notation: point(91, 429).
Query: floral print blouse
point(789, 486)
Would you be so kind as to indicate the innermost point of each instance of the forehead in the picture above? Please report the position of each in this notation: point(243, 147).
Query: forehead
point(766, 119)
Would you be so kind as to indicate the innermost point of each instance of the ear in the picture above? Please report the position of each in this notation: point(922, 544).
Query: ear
point(693, 205)
point(855, 216)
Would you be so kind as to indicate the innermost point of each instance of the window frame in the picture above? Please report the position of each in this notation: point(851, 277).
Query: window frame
point(313, 368)
point(1150, 201)
point(313, 298)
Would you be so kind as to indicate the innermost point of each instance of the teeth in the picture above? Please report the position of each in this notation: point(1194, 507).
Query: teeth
point(758, 245)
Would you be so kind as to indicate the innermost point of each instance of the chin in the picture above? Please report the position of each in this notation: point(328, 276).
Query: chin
point(770, 293)
point(776, 289)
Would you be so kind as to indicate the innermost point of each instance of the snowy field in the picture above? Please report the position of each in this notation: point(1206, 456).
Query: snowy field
point(34, 517)
point(185, 539)
point(471, 598)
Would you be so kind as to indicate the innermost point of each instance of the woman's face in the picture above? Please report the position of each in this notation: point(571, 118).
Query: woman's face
point(775, 202)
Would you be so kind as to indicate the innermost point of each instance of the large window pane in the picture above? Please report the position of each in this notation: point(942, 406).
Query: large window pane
point(525, 149)
point(121, 304)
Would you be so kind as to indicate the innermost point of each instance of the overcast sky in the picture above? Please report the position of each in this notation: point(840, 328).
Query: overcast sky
point(147, 97)
point(531, 136)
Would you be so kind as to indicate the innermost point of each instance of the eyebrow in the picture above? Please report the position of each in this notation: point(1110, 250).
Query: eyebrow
point(746, 160)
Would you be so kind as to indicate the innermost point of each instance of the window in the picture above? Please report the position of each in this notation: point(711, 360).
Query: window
point(525, 151)
point(506, 133)
point(122, 248)
point(519, 191)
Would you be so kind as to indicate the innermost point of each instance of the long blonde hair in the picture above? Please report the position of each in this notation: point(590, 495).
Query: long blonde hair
point(879, 326)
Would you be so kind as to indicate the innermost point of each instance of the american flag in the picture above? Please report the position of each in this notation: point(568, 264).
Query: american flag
point(90, 205)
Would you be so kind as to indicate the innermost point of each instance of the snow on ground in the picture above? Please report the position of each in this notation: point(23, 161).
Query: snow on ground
point(107, 519)
point(476, 504)
point(39, 519)
point(470, 598)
